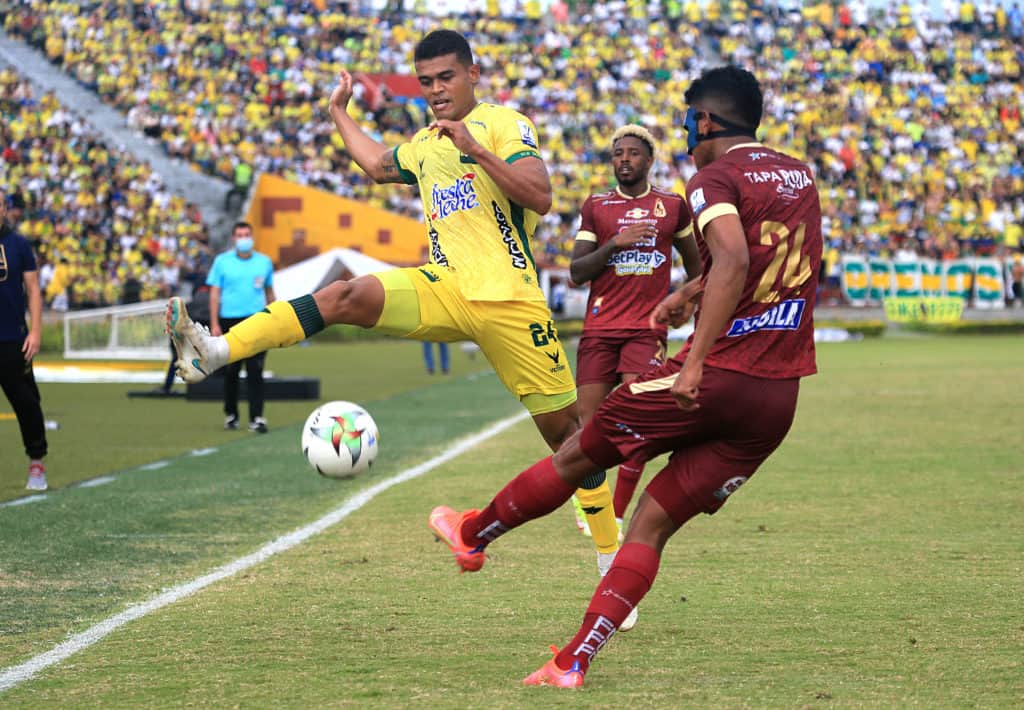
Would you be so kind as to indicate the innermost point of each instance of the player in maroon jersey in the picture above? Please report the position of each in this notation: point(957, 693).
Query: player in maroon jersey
point(727, 400)
point(624, 249)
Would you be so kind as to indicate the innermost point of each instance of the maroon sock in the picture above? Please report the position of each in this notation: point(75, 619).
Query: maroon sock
point(533, 493)
point(626, 583)
point(625, 485)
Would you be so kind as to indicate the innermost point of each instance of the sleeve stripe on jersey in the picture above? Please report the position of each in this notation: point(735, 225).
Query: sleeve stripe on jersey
point(662, 383)
point(715, 211)
point(683, 233)
point(585, 236)
point(409, 178)
point(522, 154)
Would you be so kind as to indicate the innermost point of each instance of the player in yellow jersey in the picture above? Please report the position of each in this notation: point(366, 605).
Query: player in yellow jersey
point(484, 186)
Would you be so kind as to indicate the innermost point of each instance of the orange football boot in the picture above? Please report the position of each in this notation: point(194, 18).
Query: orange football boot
point(446, 525)
point(551, 674)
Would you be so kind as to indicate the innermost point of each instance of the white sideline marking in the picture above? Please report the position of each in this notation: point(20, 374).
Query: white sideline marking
point(97, 482)
point(23, 501)
point(204, 452)
point(155, 465)
point(15, 675)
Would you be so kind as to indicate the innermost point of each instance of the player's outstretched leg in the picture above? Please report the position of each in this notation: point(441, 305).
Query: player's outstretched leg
point(280, 324)
point(199, 352)
point(533, 493)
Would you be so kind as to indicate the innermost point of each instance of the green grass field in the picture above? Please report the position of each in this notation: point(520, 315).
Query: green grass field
point(874, 561)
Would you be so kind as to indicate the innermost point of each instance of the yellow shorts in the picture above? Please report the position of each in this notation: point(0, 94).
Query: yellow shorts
point(517, 337)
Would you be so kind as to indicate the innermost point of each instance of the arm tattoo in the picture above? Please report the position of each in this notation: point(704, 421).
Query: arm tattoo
point(388, 167)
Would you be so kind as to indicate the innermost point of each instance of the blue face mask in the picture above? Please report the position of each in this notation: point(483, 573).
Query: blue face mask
point(243, 245)
point(690, 124)
point(693, 138)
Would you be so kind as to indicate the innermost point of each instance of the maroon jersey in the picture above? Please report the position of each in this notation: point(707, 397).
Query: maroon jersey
point(636, 278)
point(771, 332)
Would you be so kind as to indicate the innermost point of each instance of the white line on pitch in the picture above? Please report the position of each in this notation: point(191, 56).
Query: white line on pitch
point(15, 675)
point(23, 501)
point(204, 452)
point(96, 482)
point(155, 465)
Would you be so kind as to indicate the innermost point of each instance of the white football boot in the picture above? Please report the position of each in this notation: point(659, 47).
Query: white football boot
point(199, 353)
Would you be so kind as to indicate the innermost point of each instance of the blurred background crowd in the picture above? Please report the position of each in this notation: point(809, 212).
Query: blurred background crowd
point(909, 113)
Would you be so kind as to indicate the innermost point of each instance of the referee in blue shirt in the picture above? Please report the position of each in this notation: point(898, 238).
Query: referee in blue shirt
point(241, 283)
point(19, 283)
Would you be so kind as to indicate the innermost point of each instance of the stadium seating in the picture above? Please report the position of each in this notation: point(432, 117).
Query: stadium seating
point(105, 228)
point(912, 122)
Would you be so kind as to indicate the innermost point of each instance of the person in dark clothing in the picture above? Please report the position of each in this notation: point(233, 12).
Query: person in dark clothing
point(19, 286)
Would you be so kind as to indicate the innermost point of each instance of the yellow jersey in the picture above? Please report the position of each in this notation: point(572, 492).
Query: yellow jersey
point(474, 229)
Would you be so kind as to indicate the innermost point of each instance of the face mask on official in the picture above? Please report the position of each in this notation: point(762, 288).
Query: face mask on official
point(243, 245)
point(693, 137)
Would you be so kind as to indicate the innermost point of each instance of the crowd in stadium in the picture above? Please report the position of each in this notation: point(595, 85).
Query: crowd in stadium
point(106, 229)
point(912, 121)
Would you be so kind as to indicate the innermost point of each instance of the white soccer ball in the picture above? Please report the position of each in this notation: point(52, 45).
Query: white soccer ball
point(339, 439)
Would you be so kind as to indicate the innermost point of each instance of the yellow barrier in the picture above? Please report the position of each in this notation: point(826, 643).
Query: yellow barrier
point(292, 222)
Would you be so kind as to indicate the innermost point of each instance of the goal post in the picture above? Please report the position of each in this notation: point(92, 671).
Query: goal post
point(131, 332)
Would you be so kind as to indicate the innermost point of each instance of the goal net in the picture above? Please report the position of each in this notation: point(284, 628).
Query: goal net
point(132, 332)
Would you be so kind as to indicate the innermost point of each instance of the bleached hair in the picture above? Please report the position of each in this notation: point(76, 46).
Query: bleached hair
point(638, 132)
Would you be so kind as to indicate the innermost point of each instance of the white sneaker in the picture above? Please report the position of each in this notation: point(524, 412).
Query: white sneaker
point(36, 477)
point(199, 353)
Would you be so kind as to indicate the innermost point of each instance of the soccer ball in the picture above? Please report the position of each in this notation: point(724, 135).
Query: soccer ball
point(339, 439)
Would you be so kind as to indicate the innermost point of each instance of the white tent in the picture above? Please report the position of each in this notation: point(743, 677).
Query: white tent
point(313, 274)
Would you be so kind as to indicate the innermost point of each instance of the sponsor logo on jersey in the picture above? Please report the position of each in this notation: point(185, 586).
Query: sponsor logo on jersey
point(659, 208)
point(697, 201)
point(757, 156)
point(474, 122)
point(597, 305)
point(436, 254)
point(636, 213)
point(784, 316)
point(612, 202)
point(633, 262)
point(445, 201)
point(518, 258)
point(526, 133)
point(792, 179)
point(729, 487)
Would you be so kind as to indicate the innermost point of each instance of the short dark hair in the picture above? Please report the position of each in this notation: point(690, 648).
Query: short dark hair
point(240, 225)
point(731, 92)
point(440, 43)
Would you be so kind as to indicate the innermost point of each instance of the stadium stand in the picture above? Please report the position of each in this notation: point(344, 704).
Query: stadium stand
point(104, 226)
point(912, 121)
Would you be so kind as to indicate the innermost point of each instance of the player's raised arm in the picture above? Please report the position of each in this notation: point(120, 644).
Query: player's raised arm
point(376, 159)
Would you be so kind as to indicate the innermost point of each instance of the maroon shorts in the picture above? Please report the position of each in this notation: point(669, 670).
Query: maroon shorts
point(605, 357)
point(715, 449)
